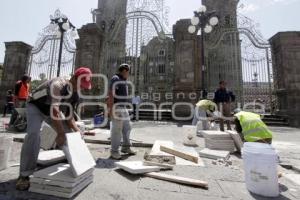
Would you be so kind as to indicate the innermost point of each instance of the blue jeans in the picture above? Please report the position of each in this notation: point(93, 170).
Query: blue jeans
point(31, 147)
point(120, 128)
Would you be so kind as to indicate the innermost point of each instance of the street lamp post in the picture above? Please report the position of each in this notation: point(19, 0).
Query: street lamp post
point(203, 21)
point(64, 25)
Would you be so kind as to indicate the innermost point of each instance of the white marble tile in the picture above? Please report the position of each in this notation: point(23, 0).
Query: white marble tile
point(51, 157)
point(214, 154)
point(60, 172)
point(62, 189)
point(136, 167)
point(46, 191)
point(78, 154)
point(48, 136)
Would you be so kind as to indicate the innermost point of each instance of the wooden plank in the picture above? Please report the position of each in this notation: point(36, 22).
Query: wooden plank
point(178, 179)
point(180, 154)
point(163, 166)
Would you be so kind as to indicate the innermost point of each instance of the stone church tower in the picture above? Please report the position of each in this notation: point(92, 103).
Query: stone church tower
point(111, 18)
point(223, 59)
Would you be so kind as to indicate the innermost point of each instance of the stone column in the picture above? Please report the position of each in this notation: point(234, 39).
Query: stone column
point(16, 61)
point(89, 46)
point(286, 59)
point(187, 71)
point(89, 53)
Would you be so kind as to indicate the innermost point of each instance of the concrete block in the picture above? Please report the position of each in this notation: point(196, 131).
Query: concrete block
point(52, 157)
point(136, 167)
point(78, 154)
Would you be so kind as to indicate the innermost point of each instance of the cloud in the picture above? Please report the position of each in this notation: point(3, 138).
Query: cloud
point(286, 2)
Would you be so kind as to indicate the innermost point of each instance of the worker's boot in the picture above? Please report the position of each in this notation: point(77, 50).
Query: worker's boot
point(23, 183)
point(128, 150)
point(115, 155)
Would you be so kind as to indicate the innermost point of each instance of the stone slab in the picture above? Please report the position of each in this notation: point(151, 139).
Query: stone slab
point(48, 136)
point(136, 167)
point(51, 157)
point(295, 178)
point(215, 135)
point(237, 140)
point(62, 189)
point(179, 161)
point(60, 172)
point(214, 154)
point(61, 194)
point(78, 154)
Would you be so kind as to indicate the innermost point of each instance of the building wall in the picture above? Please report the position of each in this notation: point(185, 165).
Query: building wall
point(286, 59)
point(17, 55)
point(157, 68)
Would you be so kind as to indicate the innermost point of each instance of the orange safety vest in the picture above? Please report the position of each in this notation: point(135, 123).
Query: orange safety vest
point(24, 91)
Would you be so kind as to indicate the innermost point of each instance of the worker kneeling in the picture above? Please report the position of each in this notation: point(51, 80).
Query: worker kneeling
point(203, 111)
point(251, 128)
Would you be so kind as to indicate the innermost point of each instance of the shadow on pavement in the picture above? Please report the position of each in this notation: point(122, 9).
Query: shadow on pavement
point(8, 192)
point(282, 188)
point(127, 175)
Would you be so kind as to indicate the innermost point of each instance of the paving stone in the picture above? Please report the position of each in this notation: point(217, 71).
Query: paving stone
point(60, 172)
point(63, 189)
point(48, 136)
point(214, 154)
point(51, 157)
point(179, 161)
point(78, 154)
point(136, 167)
point(62, 194)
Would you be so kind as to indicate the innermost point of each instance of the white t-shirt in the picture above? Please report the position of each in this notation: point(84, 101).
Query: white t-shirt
point(136, 100)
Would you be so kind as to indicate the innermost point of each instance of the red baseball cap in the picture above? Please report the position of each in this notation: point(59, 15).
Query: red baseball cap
point(84, 73)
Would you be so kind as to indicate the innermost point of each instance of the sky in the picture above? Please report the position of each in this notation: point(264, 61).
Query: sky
point(22, 20)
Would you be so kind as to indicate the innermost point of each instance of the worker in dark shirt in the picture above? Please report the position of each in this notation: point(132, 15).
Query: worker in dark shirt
point(118, 99)
point(223, 99)
point(9, 106)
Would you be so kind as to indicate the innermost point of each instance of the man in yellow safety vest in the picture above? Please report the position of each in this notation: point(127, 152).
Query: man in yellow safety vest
point(251, 128)
point(204, 109)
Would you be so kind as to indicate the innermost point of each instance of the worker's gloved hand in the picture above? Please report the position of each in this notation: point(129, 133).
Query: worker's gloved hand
point(60, 140)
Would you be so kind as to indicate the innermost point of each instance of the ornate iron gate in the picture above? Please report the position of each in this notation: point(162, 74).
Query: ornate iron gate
point(44, 56)
point(242, 57)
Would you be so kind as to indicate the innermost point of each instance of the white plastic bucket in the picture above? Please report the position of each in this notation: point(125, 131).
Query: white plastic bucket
point(260, 165)
point(5, 150)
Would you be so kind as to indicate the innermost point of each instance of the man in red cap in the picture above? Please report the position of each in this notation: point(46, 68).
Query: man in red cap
point(53, 102)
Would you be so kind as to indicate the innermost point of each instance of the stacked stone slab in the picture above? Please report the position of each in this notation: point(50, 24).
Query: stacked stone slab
point(59, 181)
point(66, 180)
point(218, 140)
